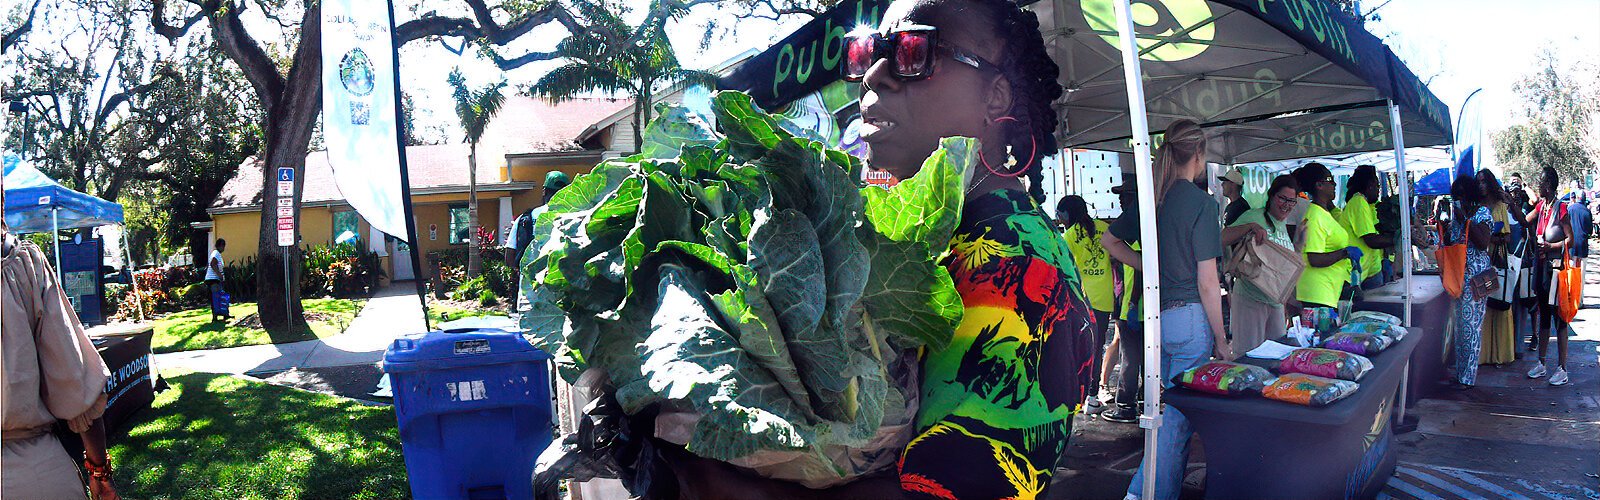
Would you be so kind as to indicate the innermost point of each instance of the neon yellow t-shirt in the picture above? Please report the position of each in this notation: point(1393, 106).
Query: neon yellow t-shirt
point(1322, 285)
point(1094, 266)
point(1359, 218)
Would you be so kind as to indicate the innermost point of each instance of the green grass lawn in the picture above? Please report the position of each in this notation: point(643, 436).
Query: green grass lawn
point(438, 313)
point(219, 436)
point(193, 329)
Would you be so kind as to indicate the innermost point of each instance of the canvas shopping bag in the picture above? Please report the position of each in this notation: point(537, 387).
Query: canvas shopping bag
point(1569, 282)
point(1510, 275)
point(1452, 265)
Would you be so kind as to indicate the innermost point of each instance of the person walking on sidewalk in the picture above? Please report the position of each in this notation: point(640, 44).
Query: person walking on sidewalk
point(214, 275)
point(1188, 223)
point(1552, 231)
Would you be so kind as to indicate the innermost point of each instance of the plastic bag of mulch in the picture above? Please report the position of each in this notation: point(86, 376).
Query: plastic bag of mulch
point(1381, 317)
point(1357, 343)
point(1326, 363)
point(1224, 378)
point(1371, 327)
point(1309, 390)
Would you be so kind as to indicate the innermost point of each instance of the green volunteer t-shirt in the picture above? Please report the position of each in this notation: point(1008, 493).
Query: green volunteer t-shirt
point(1277, 232)
point(1189, 225)
point(1094, 265)
point(1360, 218)
point(1322, 285)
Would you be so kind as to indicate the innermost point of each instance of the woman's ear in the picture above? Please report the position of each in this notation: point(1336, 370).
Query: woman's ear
point(998, 104)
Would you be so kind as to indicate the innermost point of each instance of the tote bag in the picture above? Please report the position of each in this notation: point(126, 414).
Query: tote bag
point(1511, 278)
point(1452, 265)
point(1569, 289)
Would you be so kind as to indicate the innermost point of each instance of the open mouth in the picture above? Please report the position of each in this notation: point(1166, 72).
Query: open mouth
point(873, 127)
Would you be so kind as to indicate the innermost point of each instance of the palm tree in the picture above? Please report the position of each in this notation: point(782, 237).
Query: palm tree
point(634, 69)
point(475, 108)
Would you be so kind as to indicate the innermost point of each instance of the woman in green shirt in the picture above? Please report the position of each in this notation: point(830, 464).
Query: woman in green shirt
point(1094, 268)
point(1253, 316)
point(1360, 219)
point(1326, 249)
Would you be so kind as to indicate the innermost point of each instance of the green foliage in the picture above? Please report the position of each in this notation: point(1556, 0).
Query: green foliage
point(487, 299)
point(615, 58)
point(339, 270)
point(1558, 131)
point(240, 280)
point(471, 290)
point(221, 436)
point(750, 279)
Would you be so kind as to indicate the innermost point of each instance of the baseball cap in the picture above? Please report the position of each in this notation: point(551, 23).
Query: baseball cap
point(556, 179)
point(1234, 176)
point(1129, 183)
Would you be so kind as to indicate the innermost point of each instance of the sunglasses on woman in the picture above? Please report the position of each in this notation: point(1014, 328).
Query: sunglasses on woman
point(912, 48)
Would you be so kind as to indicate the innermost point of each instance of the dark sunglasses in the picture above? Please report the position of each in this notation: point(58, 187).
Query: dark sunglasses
point(914, 48)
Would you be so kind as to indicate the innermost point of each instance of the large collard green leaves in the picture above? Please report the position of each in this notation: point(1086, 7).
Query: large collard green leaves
point(747, 278)
point(908, 227)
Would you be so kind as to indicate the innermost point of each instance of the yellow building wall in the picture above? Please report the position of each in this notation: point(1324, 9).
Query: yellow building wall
point(242, 231)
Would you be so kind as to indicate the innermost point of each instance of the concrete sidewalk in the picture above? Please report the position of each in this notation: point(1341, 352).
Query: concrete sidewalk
point(391, 312)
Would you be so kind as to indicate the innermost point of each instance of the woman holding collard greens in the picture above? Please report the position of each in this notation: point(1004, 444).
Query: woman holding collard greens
point(997, 403)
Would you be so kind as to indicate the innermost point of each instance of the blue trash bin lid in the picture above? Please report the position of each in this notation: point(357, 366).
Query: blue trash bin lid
point(456, 348)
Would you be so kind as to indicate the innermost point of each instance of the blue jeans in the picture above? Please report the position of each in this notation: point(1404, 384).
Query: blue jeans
point(1186, 342)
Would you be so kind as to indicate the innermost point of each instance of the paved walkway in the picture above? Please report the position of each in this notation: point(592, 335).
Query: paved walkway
point(391, 312)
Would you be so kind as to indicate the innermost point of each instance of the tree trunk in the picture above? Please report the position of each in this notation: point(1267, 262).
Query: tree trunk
point(290, 117)
point(472, 211)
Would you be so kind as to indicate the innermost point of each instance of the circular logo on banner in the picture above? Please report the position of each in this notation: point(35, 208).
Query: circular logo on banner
point(355, 71)
point(1177, 29)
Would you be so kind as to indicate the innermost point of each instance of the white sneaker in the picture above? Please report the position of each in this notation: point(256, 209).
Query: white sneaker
point(1092, 405)
point(1537, 371)
point(1560, 377)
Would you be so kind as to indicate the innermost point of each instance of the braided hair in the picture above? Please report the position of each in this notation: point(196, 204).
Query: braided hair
point(1075, 212)
point(1032, 74)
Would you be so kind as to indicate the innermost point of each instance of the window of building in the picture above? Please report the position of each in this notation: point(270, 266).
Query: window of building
point(460, 231)
point(345, 228)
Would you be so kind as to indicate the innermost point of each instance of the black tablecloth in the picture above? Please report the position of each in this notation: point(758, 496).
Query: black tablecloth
point(130, 387)
point(1431, 309)
point(1261, 448)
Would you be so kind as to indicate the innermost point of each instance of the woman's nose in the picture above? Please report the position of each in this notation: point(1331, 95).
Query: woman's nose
point(880, 76)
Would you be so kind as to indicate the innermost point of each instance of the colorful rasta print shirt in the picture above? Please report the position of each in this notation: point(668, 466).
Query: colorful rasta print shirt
point(997, 403)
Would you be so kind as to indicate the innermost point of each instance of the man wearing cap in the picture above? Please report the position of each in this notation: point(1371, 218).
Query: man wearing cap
point(1233, 190)
point(553, 182)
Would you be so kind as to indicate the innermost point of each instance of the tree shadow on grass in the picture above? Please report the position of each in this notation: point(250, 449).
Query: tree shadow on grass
point(219, 436)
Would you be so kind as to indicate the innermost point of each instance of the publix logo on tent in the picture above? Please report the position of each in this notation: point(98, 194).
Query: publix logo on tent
point(1176, 29)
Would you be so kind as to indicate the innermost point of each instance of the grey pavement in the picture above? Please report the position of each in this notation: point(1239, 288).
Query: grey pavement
point(391, 312)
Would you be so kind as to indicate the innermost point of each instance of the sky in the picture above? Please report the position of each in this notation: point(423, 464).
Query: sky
point(1464, 45)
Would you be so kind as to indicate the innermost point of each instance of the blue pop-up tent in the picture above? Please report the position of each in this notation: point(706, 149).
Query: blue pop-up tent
point(35, 203)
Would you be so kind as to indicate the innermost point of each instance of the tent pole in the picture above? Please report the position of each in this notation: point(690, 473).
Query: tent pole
point(1132, 76)
point(1405, 240)
point(127, 262)
point(55, 239)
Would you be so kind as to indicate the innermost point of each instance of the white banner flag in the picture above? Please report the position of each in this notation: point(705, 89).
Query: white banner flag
point(358, 110)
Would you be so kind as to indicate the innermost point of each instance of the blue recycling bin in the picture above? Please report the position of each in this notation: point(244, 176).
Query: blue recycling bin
point(474, 412)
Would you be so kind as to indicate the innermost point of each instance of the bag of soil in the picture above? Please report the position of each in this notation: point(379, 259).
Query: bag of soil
point(1309, 390)
point(1326, 363)
point(1357, 343)
point(1224, 378)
